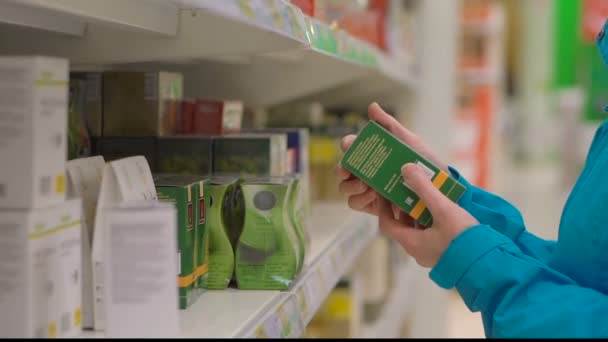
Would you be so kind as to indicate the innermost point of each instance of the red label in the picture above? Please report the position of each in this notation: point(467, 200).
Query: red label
point(190, 215)
point(201, 210)
point(207, 118)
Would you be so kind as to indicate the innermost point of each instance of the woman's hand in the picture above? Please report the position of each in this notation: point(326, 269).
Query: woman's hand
point(360, 196)
point(449, 220)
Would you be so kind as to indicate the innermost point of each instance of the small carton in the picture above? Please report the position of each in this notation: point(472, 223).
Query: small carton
point(268, 251)
point(224, 222)
point(216, 117)
point(114, 148)
point(93, 100)
point(251, 154)
point(33, 131)
point(376, 158)
point(141, 254)
point(84, 180)
point(79, 141)
point(40, 272)
point(140, 103)
point(184, 155)
point(186, 194)
point(185, 119)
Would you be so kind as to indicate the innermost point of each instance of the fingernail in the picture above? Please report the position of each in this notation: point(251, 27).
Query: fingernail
point(407, 170)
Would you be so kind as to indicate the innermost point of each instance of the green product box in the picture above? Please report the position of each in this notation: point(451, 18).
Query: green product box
point(185, 155)
point(269, 250)
point(141, 103)
point(224, 223)
point(93, 100)
point(118, 148)
point(187, 194)
point(251, 154)
point(376, 158)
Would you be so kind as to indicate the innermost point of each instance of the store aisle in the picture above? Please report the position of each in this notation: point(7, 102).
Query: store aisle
point(536, 191)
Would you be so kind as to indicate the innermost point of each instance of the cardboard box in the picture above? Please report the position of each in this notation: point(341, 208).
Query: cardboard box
point(93, 100)
point(185, 155)
point(84, 180)
point(141, 103)
point(141, 255)
point(216, 117)
point(186, 194)
point(185, 121)
point(33, 131)
point(114, 148)
point(250, 154)
point(123, 181)
point(376, 157)
point(79, 142)
point(40, 272)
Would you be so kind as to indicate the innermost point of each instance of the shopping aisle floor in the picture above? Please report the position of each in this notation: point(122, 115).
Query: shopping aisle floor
point(537, 192)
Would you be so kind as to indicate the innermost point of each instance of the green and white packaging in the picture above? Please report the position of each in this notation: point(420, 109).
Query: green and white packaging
point(268, 254)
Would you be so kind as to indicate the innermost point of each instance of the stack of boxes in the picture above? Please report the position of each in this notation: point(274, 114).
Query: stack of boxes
point(40, 232)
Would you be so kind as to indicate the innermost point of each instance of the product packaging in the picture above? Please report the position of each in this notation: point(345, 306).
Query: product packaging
point(84, 181)
point(224, 223)
point(251, 154)
point(114, 148)
point(33, 122)
point(141, 103)
point(79, 141)
point(141, 255)
point(216, 117)
point(376, 158)
point(186, 193)
point(184, 155)
point(185, 118)
point(40, 272)
point(93, 101)
point(123, 180)
point(268, 251)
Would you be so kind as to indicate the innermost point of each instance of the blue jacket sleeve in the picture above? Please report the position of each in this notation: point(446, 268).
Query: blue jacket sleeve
point(518, 295)
point(501, 215)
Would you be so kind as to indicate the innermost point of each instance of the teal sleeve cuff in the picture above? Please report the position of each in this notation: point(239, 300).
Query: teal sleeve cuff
point(464, 251)
point(466, 199)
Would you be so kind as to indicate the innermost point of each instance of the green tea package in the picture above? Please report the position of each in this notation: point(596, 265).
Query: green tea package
point(184, 155)
point(185, 192)
point(295, 209)
point(223, 220)
point(268, 251)
point(251, 154)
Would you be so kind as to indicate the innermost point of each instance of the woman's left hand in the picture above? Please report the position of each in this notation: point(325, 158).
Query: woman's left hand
point(449, 220)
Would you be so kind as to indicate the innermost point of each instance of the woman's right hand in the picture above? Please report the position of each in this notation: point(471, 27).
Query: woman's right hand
point(360, 196)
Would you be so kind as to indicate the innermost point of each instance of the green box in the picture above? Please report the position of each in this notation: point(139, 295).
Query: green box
point(376, 158)
point(113, 148)
point(187, 194)
point(251, 154)
point(184, 155)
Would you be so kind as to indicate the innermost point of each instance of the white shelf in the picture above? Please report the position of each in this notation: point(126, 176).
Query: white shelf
point(264, 53)
point(338, 236)
point(398, 305)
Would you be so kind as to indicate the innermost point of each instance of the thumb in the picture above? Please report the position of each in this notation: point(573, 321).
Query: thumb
point(377, 114)
point(422, 185)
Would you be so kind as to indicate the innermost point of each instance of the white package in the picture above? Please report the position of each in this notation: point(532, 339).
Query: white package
point(140, 268)
point(33, 131)
point(84, 181)
point(123, 180)
point(40, 272)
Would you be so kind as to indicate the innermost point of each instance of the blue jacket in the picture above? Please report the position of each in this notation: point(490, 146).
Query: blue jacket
point(528, 287)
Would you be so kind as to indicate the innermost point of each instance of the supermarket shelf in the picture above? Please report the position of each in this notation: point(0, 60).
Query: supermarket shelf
point(264, 52)
point(397, 307)
point(338, 236)
point(71, 16)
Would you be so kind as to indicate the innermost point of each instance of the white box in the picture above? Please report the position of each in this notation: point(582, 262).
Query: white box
point(40, 272)
point(33, 131)
point(84, 180)
point(123, 180)
point(140, 268)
